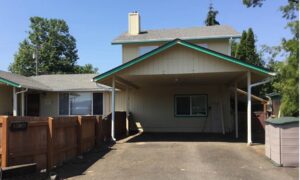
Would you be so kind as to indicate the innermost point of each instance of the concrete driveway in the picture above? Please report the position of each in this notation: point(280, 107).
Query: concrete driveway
point(153, 157)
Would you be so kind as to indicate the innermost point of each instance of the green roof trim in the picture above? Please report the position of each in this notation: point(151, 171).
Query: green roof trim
point(283, 120)
point(5, 81)
point(186, 44)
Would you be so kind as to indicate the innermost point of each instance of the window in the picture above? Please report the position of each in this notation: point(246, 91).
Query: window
point(145, 49)
point(97, 103)
point(191, 105)
point(80, 103)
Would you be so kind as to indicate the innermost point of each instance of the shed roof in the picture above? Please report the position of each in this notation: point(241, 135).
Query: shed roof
point(193, 33)
point(283, 120)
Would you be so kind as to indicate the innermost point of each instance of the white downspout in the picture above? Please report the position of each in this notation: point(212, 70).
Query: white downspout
point(249, 131)
point(113, 93)
point(249, 85)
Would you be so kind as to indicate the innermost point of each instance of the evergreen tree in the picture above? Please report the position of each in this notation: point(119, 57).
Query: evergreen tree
point(211, 17)
point(246, 50)
point(242, 47)
point(252, 55)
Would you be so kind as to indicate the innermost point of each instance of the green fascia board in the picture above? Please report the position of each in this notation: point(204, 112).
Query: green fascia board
point(167, 40)
point(186, 44)
point(5, 81)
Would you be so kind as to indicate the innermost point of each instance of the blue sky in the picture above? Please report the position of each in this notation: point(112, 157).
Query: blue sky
point(96, 23)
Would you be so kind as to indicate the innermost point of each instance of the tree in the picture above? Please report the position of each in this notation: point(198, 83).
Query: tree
point(246, 49)
point(53, 46)
point(242, 48)
point(86, 69)
point(211, 17)
point(287, 80)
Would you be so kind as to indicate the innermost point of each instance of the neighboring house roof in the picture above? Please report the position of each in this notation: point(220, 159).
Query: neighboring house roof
point(57, 82)
point(188, 45)
point(70, 82)
point(193, 33)
point(20, 81)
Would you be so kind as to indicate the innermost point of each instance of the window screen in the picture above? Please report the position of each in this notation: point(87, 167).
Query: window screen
point(64, 104)
point(191, 105)
point(98, 103)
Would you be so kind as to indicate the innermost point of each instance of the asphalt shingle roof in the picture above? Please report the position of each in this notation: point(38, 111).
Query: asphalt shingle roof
point(205, 32)
point(70, 82)
point(57, 82)
point(25, 82)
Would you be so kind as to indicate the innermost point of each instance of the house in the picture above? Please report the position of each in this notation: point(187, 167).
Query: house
point(52, 95)
point(180, 80)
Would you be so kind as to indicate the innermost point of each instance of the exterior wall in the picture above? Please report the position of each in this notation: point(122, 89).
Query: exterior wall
point(181, 60)
point(290, 144)
point(6, 100)
point(153, 108)
point(131, 51)
point(49, 104)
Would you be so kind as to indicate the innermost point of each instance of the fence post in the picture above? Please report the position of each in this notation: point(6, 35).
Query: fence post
point(50, 144)
point(79, 133)
point(4, 142)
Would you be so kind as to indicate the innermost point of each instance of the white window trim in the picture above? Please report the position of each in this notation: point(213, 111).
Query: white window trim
point(92, 108)
point(190, 97)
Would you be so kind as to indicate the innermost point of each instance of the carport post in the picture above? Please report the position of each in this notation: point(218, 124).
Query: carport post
point(113, 93)
point(15, 104)
point(249, 134)
point(236, 111)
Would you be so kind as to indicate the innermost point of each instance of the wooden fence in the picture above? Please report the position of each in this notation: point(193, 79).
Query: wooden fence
point(49, 141)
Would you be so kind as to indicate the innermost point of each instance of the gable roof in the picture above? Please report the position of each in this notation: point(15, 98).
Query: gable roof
point(55, 82)
point(188, 45)
point(193, 33)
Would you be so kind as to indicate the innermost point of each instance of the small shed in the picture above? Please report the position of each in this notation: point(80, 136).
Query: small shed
point(282, 140)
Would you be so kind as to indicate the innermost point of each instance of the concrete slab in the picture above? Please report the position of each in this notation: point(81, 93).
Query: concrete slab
point(168, 157)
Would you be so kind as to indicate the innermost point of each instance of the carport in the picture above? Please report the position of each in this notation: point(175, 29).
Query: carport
point(182, 87)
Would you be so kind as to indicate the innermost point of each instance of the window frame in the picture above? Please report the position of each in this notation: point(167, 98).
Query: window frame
point(190, 97)
point(69, 103)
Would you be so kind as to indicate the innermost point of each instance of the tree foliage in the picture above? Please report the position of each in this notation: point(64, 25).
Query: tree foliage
point(86, 69)
point(246, 49)
point(53, 45)
point(287, 79)
point(211, 17)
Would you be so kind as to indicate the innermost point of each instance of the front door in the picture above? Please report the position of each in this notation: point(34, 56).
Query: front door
point(33, 105)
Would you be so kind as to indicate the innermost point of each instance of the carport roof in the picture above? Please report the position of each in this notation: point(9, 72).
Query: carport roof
point(188, 45)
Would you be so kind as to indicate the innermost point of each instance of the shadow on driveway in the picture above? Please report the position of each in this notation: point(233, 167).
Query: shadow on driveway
point(185, 137)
